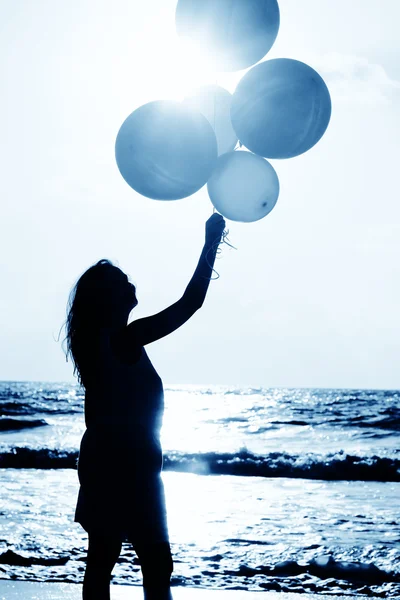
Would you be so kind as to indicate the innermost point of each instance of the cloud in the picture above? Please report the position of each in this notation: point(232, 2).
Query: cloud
point(355, 80)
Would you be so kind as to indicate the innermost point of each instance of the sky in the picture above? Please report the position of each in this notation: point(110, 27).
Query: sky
point(311, 295)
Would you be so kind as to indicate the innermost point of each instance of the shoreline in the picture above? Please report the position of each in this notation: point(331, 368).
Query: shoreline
point(33, 590)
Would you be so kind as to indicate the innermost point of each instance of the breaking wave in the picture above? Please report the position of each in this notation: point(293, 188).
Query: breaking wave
point(331, 467)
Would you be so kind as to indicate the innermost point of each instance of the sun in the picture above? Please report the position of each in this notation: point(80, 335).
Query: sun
point(185, 68)
point(171, 69)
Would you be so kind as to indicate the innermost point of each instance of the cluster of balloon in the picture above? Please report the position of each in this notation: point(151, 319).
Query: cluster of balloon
point(281, 108)
point(236, 33)
point(243, 187)
point(214, 102)
point(166, 151)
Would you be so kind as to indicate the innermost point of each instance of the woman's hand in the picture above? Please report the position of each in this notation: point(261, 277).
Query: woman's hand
point(214, 228)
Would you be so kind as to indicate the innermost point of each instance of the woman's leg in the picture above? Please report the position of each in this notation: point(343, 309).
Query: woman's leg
point(157, 565)
point(103, 553)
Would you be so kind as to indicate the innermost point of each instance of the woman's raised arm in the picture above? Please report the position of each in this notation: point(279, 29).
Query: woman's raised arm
point(149, 329)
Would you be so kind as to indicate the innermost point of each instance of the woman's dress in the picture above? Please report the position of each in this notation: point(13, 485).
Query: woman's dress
point(120, 460)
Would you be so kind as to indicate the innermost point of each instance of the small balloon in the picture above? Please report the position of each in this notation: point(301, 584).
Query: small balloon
point(243, 187)
point(235, 33)
point(280, 108)
point(166, 151)
point(214, 102)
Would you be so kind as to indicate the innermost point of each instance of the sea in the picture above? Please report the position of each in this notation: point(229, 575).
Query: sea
point(267, 489)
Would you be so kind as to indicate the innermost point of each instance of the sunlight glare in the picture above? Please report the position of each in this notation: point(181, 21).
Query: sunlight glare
point(183, 69)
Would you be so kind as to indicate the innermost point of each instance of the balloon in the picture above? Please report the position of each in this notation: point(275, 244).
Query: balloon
point(235, 33)
point(214, 102)
point(243, 187)
point(166, 151)
point(280, 108)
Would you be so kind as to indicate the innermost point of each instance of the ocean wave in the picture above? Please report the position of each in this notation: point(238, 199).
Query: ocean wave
point(49, 406)
point(9, 424)
point(29, 398)
point(38, 458)
point(323, 567)
point(246, 391)
point(331, 467)
point(291, 422)
point(9, 557)
point(386, 419)
point(370, 413)
point(323, 575)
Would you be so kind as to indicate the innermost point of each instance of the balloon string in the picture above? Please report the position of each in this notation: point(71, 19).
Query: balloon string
point(215, 102)
point(215, 118)
point(215, 244)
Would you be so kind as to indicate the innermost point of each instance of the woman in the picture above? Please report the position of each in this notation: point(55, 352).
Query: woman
point(121, 494)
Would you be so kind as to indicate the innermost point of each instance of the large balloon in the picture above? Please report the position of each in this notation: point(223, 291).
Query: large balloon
point(234, 33)
point(214, 102)
point(165, 150)
point(243, 187)
point(280, 108)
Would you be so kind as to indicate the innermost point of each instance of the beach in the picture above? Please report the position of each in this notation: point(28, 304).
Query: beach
point(19, 590)
point(268, 490)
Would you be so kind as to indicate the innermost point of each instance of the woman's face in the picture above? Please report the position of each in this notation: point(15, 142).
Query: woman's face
point(125, 291)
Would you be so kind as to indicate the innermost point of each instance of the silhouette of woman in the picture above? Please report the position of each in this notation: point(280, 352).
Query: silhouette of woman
point(121, 495)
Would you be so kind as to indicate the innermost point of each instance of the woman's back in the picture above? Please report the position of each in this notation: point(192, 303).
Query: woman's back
point(121, 391)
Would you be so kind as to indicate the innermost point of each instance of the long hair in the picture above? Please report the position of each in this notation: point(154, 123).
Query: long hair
point(89, 309)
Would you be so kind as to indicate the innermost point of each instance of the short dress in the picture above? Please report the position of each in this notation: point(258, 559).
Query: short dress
point(120, 460)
